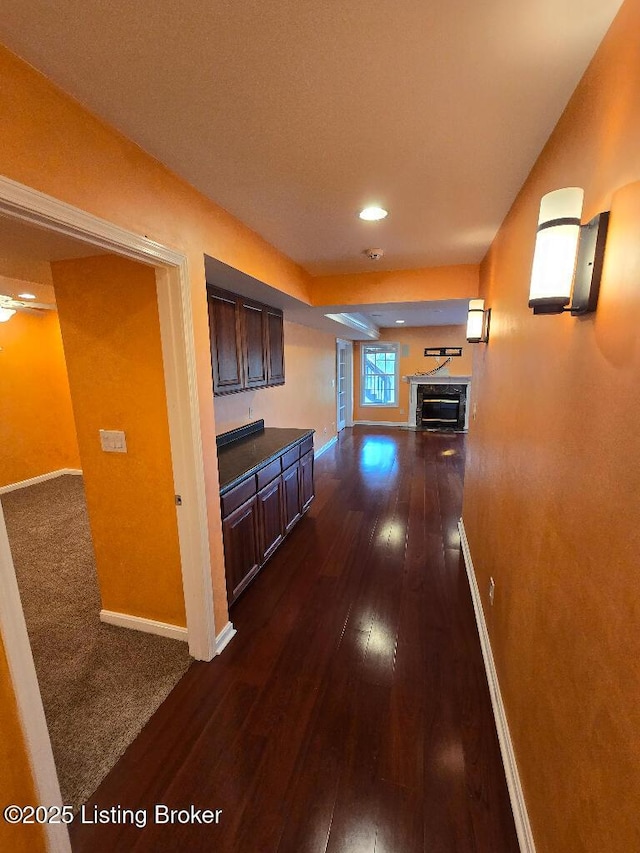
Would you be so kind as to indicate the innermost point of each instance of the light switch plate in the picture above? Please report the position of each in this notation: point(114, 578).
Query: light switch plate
point(113, 441)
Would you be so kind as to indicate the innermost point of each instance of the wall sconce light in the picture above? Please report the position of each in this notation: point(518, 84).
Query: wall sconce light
point(568, 257)
point(478, 320)
point(6, 314)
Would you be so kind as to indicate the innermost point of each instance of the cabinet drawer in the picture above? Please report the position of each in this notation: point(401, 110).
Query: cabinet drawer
point(268, 473)
point(306, 445)
point(290, 456)
point(238, 495)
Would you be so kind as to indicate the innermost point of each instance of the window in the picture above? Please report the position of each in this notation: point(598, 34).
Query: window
point(379, 375)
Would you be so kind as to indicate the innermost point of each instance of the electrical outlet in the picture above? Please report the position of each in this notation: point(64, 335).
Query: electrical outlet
point(402, 412)
point(492, 590)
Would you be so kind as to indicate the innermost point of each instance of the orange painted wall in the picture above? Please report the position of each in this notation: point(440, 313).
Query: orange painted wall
point(37, 433)
point(452, 282)
point(415, 362)
point(51, 143)
point(109, 318)
point(306, 400)
point(15, 777)
point(88, 164)
point(553, 481)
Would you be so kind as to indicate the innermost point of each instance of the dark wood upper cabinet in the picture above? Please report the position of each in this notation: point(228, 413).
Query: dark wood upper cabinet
point(247, 344)
point(225, 342)
point(253, 338)
point(275, 347)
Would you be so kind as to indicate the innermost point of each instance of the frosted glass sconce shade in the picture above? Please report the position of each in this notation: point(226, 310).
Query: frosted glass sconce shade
point(478, 322)
point(554, 259)
point(568, 257)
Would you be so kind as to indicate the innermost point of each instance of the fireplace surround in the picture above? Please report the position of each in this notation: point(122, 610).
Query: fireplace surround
point(439, 402)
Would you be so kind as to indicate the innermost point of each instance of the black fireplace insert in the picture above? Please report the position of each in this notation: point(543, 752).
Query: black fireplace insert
point(441, 407)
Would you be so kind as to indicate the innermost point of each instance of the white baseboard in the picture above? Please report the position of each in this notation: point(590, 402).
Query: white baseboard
point(139, 623)
point(398, 424)
point(325, 447)
point(22, 484)
point(224, 637)
point(516, 794)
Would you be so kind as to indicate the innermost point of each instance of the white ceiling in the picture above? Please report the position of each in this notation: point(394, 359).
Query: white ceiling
point(444, 312)
point(293, 114)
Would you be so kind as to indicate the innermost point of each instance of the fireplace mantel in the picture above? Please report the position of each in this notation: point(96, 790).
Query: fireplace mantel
point(436, 379)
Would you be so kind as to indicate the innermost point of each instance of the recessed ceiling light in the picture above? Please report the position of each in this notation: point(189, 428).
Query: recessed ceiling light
point(400, 321)
point(26, 296)
point(373, 214)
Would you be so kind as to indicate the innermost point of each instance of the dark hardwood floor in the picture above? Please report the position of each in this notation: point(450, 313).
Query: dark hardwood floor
point(351, 711)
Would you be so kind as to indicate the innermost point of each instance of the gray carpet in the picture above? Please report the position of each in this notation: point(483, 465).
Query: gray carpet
point(99, 684)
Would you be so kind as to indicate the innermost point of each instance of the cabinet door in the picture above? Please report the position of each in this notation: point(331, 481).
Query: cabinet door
point(253, 325)
point(307, 492)
point(241, 547)
point(225, 342)
point(275, 348)
point(291, 493)
point(270, 518)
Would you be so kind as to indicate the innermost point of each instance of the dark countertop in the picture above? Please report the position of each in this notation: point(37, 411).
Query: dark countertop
point(238, 460)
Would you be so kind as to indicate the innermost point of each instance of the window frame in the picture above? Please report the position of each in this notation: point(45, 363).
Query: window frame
point(386, 346)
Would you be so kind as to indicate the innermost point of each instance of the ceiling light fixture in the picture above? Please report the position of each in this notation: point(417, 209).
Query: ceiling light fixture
point(568, 256)
point(478, 322)
point(400, 321)
point(26, 296)
point(373, 214)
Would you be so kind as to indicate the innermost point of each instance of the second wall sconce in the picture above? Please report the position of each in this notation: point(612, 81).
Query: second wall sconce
point(478, 320)
point(568, 257)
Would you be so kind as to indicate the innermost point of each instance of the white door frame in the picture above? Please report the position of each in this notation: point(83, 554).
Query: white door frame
point(20, 202)
point(348, 346)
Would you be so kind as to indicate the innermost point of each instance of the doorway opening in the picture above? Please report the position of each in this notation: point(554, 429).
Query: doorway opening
point(19, 203)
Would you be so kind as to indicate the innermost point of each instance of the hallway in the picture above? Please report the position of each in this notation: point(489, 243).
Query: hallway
point(351, 712)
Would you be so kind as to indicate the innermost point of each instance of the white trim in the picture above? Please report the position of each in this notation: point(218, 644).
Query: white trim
point(398, 424)
point(516, 794)
point(178, 346)
point(147, 626)
point(27, 693)
point(325, 447)
point(348, 385)
point(22, 484)
point(224, 638)
point(179, 358)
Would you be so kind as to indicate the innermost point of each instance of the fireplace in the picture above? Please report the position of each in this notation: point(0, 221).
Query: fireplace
point(439, 402)
point(441, 407)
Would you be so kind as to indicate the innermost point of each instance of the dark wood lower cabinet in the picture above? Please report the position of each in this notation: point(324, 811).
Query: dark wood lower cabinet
point(259, 512)
point(307, 492)
point(241, 547)
point(270, 518)
point(291, 489)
